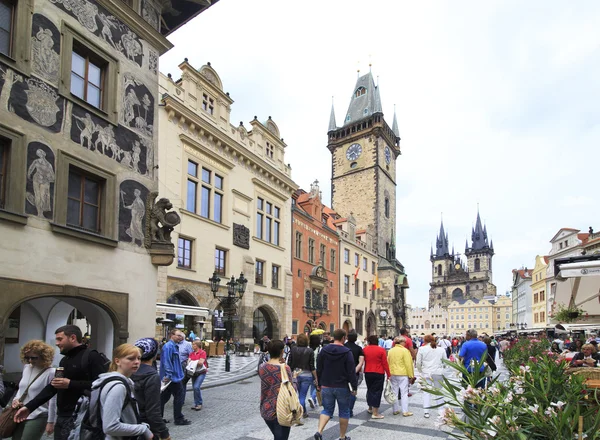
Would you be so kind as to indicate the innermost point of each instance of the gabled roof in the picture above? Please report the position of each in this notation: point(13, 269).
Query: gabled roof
point(441, 243)
point(365, 100)
point(523, 273)
point(561, 230)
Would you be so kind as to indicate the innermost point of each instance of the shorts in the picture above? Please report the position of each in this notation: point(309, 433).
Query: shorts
point(339, 395)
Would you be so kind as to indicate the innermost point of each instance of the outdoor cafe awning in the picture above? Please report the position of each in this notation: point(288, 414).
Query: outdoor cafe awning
point(180, 309)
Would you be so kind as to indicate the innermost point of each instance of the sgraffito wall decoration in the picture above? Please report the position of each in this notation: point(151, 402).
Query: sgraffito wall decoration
point(124, 146)
point(138, 106)
point(35, 101)
point(45, 49)
point(39, 196)
point(132, 211)
point(103, 24)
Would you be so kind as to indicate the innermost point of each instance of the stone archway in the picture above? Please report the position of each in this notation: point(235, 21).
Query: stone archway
point(265, 322)
point(371, 324)
point(347, 326)
point(185, 298)
point(35, 310)
point(457, 294)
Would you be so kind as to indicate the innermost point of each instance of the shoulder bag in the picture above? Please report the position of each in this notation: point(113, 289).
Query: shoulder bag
point(289, 410)
point(7, 417)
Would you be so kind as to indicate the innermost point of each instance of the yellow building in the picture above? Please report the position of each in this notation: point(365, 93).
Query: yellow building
point(538, 292)
point(502, 314)
point(423, 321)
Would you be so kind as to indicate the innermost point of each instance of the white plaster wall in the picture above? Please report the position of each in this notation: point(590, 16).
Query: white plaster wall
point(32, 327)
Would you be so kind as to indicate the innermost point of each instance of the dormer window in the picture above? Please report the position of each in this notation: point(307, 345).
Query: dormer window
point(208, 104)
point(269, 150)
point(360, 91)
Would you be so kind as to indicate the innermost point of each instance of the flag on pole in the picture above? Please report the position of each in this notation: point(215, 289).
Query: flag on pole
point(357, 269)
point(376, 284)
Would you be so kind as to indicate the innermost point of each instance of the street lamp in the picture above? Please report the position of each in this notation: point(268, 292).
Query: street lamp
point(235, 292)
point(387, 320)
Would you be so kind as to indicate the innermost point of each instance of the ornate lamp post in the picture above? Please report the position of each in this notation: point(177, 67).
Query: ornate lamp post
point(235, 292)
point(387, 321)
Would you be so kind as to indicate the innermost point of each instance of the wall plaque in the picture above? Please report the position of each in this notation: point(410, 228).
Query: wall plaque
point(241, 236)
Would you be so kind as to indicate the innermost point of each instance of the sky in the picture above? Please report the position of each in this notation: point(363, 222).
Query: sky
point(497, 106)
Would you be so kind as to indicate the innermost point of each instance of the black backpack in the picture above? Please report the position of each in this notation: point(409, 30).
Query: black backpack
point(88, 426)
point(85, 360)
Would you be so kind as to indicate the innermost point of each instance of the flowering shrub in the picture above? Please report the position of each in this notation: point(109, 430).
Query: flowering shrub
point(523, 351)
point(538, 402)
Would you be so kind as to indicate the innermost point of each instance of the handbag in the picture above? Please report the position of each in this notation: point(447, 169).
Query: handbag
point(191, 367)
point(388, 394)
point(289, 410)
point(7, 417)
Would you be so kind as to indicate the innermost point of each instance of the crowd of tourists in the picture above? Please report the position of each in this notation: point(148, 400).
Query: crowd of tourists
point(122, 397)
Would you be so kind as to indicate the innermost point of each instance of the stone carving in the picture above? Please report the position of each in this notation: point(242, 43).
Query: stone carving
point(132, 212)
point(35, 101)
point(111, 29)
point(40, 180)
point(159, 223)
point(150, 14)
point(209, 76)
point(241, 236)
point(8, 78)
point(118, 143)
point(153, 61)
point(45, 48)
point(138, 106)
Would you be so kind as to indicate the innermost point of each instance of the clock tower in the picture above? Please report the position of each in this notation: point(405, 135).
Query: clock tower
point(363, 186)
point(364, 152)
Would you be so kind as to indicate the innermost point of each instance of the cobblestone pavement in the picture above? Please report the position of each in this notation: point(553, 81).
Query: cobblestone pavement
point(242, 367)
point(232, 412)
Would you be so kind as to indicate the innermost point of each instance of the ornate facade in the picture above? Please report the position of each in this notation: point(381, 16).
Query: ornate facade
point(452, 279)
point(364, 152)
point(78, 105)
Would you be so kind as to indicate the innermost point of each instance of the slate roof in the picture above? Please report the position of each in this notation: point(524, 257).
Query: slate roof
point(366, 104)
point(441, 243)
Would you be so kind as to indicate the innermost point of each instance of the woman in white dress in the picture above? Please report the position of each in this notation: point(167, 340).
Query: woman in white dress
point(431, 368)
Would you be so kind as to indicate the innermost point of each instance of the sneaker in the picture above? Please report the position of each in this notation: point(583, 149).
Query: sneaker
point(426, 415)
point(311, 402)
point(183, 422)
point(407, 414)
point(318, 436)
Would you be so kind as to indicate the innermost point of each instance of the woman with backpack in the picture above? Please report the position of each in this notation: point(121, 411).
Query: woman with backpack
point(270, 382)
point(302, 358)
point(118, 411)
point(37, 357)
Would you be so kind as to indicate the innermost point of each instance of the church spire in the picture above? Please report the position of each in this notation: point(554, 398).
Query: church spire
point(365, 100)
point(395, 124)
point(332, 124)
point(479, 235)
point(441, 243)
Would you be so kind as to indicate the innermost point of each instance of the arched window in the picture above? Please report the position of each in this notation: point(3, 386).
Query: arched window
point(439, 269)
point(360, 91)
point(477, 265)
point(387, 207)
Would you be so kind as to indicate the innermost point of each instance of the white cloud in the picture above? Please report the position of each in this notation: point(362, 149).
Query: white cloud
point(497, 104)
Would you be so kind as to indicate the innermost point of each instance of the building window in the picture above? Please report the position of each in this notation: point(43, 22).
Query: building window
point(294, 327)
point(322, 255)
point(346, 284)
point(192, 186)
point(356, 287)
point(259, 272)
point(208, 104)
point(4, 147)
point(184, 253)
point(365, 289)
point(477, 265)
point(359, 92)
point(88, 73)
point(84, 201)
point(542, 295)
point(347, 256)
point(268, 217)
point(346, 309)
point(364, 266)
point(7, 23)
point(220, 261)
point(218, 199)
point(311, 250)
point(275, 276)
point(298, 245)
point(332, 260)
point(269, 150)
point(387, 207)
point(542, 316)
point(373, 267)
point(356, 260)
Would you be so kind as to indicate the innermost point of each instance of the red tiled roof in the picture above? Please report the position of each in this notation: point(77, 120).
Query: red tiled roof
point(584, 236)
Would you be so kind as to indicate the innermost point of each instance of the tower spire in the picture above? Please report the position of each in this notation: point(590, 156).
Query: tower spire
point(395, 124)
point(332, 124)
point(441, 242)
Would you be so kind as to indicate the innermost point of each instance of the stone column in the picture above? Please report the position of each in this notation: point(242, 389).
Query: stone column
point(285, 321)
point(243, 328)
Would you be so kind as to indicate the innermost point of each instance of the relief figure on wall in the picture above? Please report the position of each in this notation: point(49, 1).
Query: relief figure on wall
point(86, 131)
point(84, 11)
point(108, 23)
point(138, 211)
point(138, 106)
point(41, 173)
point(41, 102)
point(45, 60)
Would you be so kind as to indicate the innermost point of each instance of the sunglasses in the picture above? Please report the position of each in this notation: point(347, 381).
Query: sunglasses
point(31, 358)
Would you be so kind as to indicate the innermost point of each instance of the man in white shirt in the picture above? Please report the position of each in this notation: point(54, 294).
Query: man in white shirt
point(387, 344)
point(445, 343)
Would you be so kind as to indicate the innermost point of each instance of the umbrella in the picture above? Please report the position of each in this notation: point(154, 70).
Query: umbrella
point(317, 331)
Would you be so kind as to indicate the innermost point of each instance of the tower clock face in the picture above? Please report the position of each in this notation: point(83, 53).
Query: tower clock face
point(388, 155)
point(354, 151)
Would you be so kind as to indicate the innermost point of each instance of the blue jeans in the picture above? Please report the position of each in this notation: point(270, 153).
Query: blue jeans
point(339, 395)
point(313, 393)
point(178, 392)
point(197, 392)
point(279, 432)
point(304, 383)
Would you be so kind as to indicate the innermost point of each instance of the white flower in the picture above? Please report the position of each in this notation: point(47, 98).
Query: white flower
point(534, 409)
point(558, 404)
point(550, 412)
point(519, 390)
point(509, 397)
point(495, 420)
point(525, 368)
point(491, 432)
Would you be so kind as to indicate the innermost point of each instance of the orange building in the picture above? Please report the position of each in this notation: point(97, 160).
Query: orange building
point(315, 264)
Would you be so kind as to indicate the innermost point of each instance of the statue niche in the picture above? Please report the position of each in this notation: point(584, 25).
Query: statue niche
point(160, 222)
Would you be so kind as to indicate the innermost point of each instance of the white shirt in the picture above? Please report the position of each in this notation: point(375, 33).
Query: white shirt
point(429, 360)
point(444, 343)
point(387, 344)
point(29, 373)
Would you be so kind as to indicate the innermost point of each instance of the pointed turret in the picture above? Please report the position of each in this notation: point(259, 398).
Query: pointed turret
point(365, 100)
point(332, 124)
point(441, 243)
point(466, 245)
point(395, 124)
point(479, 235)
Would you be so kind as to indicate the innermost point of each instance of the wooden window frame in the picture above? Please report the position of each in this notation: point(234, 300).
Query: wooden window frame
point(4, 159)
point(275, 276)
point(222, 272)
point(311, 250)
point(19, 57)
point(12, 4)
point(259, 281)
point(191, 249)
point(83, 175)
point(332, 260)
point(73, 39)
point(90, 57)
point(14, 177)
point(298, 244)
